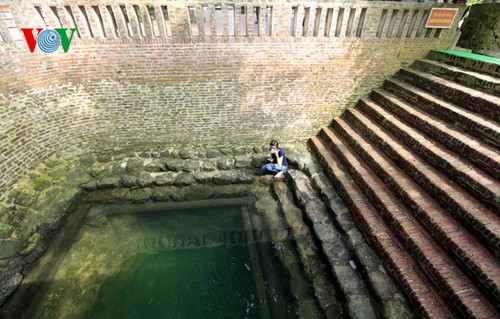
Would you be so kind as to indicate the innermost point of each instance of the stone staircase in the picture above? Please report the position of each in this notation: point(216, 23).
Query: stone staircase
point(418, 165)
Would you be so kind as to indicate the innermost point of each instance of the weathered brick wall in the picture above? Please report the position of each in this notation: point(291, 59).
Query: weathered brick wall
point(142, 93)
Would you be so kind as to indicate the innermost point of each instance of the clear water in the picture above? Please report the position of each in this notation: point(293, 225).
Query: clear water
point(201, 263)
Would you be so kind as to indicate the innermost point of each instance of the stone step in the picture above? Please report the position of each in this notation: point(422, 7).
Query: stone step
point(460, 244)
point(450, 281)
point(317, 272)
point(472, 214)
point(419, 290)
point(486, 130)
point(484, 157)
point(314, 212)
point(477, 182)
point(479, 81)
point(465, 62)
point(482, 103)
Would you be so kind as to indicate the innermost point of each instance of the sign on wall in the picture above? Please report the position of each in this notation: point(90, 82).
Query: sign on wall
point(441, 18)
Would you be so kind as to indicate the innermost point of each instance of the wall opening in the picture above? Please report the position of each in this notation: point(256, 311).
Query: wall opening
point(56, 16)
point(139, 20)
point(305, 21)
point(231, 19)
point(361, 23)
point(350, 22)
point(421, 25)
point(402, 23)
point(340, 19)
point(219, 21)
point(243, 21)
point(123, 11)
point(87, 27)
point(166, 21)
point(269, 21)
point(412, 24)
point(98, 18)
point(111, 17)
point(193, 22)
point(256, 21)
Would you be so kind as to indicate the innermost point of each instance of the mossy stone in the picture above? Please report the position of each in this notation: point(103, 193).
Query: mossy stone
point(242, 161)
point(87, 160)
point(212, 153)
point(144, 179)
point(42, 182)
point(240, 150)
point(3, 214)
point(6, 230)
point(226, 151)
point(104, 158)
point(78, 176)
point(33, 242)
point(186, 154)
point(52, 162)
point(175, 165)
point(135, 164)
point(57, 172)
point(24, 196)
point(9, 247)
point(184, 179)
point(225, 163)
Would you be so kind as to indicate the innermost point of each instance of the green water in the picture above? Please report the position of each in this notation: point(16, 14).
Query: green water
point(202, 263)
point(185, 283)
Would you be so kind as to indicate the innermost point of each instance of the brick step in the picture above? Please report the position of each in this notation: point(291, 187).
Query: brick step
point(482, 103)
point(472, 79)
point(466, 209)
point(465, 62)
point(486, 130)
point(485, 157)
point(449, 280)
point(478, 183)
point(462, 245)
point(419, 290)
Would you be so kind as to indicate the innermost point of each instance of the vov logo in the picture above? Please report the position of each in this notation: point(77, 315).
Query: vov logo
point(48, 40)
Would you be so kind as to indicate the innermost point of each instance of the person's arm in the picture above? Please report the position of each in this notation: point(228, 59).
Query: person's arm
point(280, 158)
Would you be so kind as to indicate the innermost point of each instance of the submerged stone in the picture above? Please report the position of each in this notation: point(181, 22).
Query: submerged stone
point(34, 249)
point(96, 217)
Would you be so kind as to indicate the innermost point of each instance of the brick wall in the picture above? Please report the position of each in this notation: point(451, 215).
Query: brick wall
point(149, 93)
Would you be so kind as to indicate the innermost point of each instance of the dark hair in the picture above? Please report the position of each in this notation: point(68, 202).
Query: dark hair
point(274, 143)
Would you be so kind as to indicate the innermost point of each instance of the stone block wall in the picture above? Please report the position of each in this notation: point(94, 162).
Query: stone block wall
point(135, 78)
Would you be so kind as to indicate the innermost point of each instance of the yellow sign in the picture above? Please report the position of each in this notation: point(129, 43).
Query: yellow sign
point(441, 18)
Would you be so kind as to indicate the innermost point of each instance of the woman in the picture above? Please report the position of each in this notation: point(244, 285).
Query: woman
point(277, 159)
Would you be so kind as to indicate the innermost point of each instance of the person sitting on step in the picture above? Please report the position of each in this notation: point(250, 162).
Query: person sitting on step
point(277, 158)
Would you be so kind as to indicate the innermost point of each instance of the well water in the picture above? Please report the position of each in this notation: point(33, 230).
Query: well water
point(205, 262)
